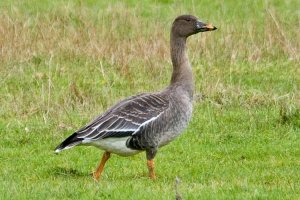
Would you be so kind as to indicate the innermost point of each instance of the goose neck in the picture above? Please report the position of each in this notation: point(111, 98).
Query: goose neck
point(182, 72)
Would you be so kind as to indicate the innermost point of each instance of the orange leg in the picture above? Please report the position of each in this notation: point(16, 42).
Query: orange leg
point(150, 164)
point(100, 168)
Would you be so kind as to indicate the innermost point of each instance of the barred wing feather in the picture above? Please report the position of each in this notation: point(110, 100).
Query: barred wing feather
point(125, 118)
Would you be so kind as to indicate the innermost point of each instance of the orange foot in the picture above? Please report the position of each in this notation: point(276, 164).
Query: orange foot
point(150, 164)
point(95, 176)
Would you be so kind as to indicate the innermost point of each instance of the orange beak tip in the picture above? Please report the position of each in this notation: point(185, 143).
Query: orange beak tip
point(210, 26)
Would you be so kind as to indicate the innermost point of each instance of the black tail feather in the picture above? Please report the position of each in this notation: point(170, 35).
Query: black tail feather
point(71, 141)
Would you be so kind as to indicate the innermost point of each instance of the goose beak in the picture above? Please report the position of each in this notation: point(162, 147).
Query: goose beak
point(202, 27)
point(210, 27)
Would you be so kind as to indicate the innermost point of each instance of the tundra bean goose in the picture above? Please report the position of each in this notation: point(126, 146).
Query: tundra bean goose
point(148, 121)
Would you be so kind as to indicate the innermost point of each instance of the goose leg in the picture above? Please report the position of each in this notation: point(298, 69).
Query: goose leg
point(150, 154)
point(97, 173)
point(150, 164)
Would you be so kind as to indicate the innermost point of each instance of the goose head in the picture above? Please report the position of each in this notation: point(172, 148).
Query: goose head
point(187, 25)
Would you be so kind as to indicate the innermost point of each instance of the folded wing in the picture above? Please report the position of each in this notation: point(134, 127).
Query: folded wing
point(125, 118)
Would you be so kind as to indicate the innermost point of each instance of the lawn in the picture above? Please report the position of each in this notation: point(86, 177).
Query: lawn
point(64, 62)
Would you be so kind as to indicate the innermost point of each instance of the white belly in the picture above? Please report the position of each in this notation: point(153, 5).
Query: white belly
point(114, 145)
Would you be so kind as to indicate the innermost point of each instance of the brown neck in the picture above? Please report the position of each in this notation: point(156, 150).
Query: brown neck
point(182, 71)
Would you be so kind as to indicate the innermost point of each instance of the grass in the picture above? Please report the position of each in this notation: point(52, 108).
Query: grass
point(64, 62)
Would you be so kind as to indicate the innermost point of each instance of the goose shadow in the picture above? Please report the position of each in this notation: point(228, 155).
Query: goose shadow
point(68, 172)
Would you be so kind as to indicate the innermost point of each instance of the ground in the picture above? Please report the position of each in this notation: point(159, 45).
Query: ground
point(64, 62)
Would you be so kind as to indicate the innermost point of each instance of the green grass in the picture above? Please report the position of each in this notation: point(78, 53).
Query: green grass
point(64, 62)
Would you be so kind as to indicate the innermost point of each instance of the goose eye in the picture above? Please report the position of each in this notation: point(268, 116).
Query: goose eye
point(188, 20)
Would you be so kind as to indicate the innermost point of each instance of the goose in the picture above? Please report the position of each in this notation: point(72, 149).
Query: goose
point(147, 121)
